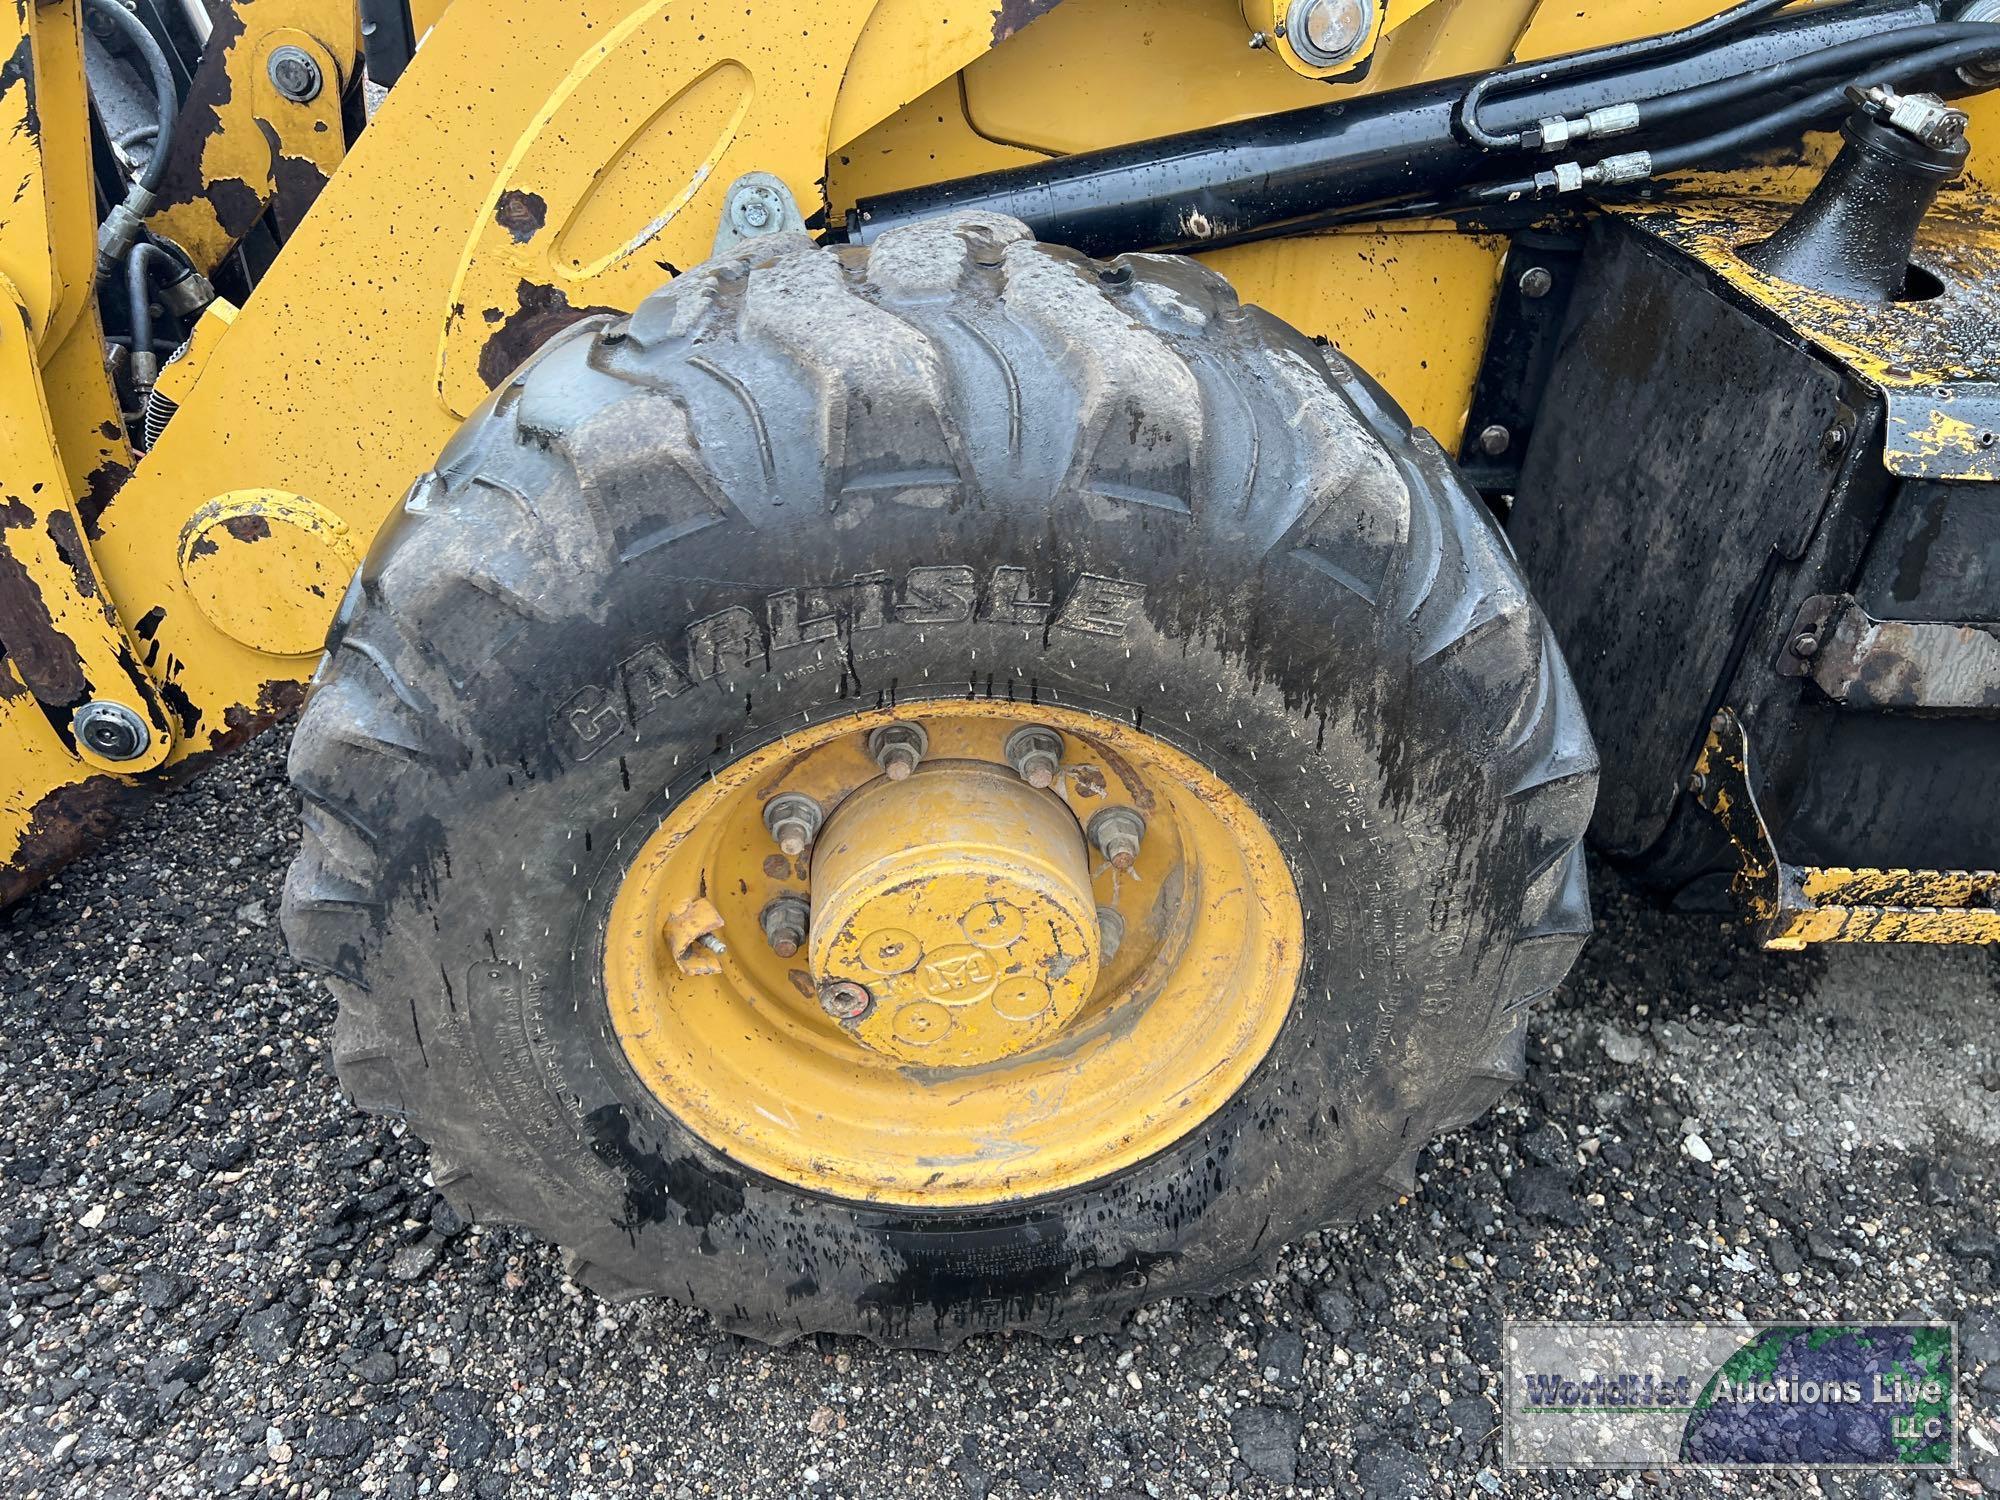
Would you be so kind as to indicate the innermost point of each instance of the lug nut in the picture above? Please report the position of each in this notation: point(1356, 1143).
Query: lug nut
point(793, 820)
point(897, 748)
point(784, 923)
point(1116, 833)
point(845, 1000)
point(1111, 932)
point(1036, 753)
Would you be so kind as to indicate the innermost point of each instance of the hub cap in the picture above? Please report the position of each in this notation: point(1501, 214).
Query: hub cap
point(960, 900)
point(1003, 989)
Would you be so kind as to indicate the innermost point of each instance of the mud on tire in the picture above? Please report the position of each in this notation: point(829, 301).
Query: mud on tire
point(797, 482)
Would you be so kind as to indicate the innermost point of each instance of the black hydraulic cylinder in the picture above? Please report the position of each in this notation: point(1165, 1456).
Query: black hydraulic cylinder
point(1206, 186)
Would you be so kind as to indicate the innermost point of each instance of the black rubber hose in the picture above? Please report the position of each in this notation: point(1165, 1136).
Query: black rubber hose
point(1726, 91)
point(1595, 62)
point(139, 288)
point(166, 98)
point(1827, 101)
point(1798, 116)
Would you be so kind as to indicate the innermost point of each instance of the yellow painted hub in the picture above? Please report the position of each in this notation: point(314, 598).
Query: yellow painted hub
point(1037, 1018)
point(960, 900)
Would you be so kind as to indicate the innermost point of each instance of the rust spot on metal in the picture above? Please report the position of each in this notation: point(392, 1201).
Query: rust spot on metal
point(1014, 14)
point(105, 481)
point(247, 528)
point(543, 313)
point(201, 119)
point(521, 214)
point(777, 867)
point(45, 658)
point(1087, 781)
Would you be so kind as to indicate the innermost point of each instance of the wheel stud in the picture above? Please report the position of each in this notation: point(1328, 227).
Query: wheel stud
point(784, 923)
point(793, 820)
point(1036, 753)
point(897, 748)
point(845, 1000)
point(1116, 833)
point(1111, 933)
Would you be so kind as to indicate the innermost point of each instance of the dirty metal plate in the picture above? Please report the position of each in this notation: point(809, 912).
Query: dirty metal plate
point(1934, 356)
point(1866, 663)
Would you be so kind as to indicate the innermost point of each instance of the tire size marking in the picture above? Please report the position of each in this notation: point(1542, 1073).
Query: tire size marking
point(732, 638)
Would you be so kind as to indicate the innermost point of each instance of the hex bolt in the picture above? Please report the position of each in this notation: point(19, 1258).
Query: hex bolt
point(897, 748)
point(1116, 834)
point(1833, 443)
point(1495, 440)
point(1805, 645)
point(295, 75)
point(784, 922)
point(1697, 783)
point(1111, 931)
point(794, 821)
point(1537, 283)
point(1035, 752)
point(845, 1000)
point(111, 730)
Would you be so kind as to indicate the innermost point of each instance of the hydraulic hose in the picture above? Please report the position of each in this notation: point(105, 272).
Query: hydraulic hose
point(1709, 97)
point(121, 226)
point(166, 98)
point(139, 298)
point(1800, 115)
point(1600, 60)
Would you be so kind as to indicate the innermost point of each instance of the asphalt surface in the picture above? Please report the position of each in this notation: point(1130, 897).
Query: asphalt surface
point(220, 1277)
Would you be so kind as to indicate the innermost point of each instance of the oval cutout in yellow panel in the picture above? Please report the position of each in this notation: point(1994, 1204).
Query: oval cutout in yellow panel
point(698, 124)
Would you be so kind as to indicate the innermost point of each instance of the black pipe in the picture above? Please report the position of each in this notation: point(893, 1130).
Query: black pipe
point(1186, 191)
point(166, 98)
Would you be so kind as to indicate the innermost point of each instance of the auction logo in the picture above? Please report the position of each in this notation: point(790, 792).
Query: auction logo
point(1730, 1395)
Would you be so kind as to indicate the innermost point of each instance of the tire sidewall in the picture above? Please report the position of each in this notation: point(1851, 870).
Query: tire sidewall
point(511, 876)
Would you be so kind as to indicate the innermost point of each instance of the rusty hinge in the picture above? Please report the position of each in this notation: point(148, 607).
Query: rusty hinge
point(1796, 905)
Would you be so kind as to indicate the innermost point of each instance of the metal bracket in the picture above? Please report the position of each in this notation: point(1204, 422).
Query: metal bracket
point(1796, 905)
point(1862, 662)
point(757, 204)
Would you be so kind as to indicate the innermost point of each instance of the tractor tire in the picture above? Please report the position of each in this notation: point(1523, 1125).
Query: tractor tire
point(1105, 484)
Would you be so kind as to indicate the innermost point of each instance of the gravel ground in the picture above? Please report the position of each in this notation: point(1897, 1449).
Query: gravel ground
point(220, 1276)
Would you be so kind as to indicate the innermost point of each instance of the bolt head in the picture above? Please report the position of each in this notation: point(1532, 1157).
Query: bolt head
point(1118, 832)
point(1805, 644)
point(295, 74)
point(897, 748)
point(793, 819)
point(111, 731)
point(1697, 783)
point(1537, 283)
point(1035, 753)
point(1833, 442)
point(1495, 440)
point(845, 1000)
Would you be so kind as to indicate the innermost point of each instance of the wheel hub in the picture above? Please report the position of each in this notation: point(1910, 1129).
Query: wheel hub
point(962, 951)
point(960, 900)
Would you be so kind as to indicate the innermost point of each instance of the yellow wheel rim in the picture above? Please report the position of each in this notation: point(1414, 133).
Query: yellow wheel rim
point(982, 1005)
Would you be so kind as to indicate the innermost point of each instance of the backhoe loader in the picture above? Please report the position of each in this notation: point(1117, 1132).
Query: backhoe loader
point(951, 664)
